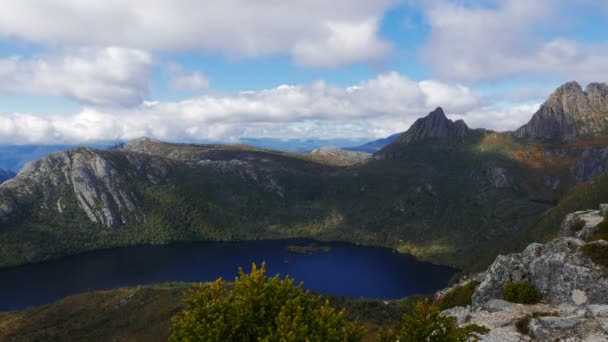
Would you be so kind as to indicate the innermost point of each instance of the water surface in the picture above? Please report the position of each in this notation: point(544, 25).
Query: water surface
point(347, 270)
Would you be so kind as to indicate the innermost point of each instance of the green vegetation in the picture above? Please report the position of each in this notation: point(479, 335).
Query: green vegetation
point(597, 252)
point(460, 296)
point(308, 249)
point(521, 292)
point(581, 197)
point(601, 233)
point(258, 308)
point(144, 313)
point(434, 201)
point(426, 323)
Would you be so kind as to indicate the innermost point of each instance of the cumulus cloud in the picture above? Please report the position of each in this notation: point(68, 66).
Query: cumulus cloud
point(315, 32)
point(107, 76)
point(179, 79)
point(479, 43)
point(373, 108)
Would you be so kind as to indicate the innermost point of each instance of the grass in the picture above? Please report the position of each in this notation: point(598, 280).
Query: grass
point(460, 296)
point(597, 252)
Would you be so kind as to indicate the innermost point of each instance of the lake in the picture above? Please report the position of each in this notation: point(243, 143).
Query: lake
point(346, 270)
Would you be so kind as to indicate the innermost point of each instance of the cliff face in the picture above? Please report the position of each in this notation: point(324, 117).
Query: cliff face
point(96, 182)
point(570, 113)
point(434, 125)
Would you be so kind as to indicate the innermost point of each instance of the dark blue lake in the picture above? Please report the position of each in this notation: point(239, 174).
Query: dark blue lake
point(347, 270)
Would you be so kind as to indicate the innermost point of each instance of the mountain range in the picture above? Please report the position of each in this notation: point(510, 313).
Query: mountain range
point(441, 191)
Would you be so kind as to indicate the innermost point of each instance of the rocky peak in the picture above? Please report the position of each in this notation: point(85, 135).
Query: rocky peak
point(569, 113)
point(337, 156)
point(434, 125)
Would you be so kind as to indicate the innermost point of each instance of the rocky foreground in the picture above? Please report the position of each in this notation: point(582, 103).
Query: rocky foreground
point(571, 275)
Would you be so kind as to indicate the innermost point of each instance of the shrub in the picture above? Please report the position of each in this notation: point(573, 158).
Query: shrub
point(522, 325)
point(577, 224)
point(460, 296)
point(597, 252)
point(258, 308)
point(521, 292)
point(601, 233)
point(426, 323)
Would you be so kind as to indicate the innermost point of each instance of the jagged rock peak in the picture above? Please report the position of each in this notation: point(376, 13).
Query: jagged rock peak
point(569, 113)
point(434, 125)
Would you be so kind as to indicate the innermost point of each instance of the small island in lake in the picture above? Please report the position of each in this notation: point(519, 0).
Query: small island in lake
point(308, 249)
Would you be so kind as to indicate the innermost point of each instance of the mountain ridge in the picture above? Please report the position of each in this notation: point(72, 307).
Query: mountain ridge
point(569, 113)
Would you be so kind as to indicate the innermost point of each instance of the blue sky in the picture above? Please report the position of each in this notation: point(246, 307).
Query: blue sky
point(222, 70)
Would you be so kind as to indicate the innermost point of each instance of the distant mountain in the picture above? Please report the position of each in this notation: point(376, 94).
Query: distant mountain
point(435, 127)
point(297, 145)
point(375, 145)
point(6, 175)
point(335, 156)
point(570, 113)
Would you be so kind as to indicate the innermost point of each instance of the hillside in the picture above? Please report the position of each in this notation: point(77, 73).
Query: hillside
point(441, 191)
point(144, 313)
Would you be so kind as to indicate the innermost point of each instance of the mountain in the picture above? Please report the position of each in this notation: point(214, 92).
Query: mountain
point(375, 145)
point(6, 175)
point(299, 145)
point(339, 157)
point(570, 113)
point(441, 191)
point(433, 127)
point(13, 157)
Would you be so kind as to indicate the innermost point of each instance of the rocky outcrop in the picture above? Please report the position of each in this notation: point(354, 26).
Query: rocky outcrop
point(434, 125)
point(573, 286)
point(335, 156)
point(558, 269)
point(570, 113)
point(96, 182)
point(499, 178)
point(581, 224)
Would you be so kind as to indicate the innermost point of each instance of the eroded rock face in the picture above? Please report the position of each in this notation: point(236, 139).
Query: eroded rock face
point(499, 178)
point(434, 125)
point(89, 179)
point(569, 113)
point(581, 224)
point(557, 269)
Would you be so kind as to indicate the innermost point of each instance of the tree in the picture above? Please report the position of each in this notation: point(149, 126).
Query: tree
point(427, 324)
point(259, 308)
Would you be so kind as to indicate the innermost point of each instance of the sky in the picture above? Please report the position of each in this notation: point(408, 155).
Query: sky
point(75, 71)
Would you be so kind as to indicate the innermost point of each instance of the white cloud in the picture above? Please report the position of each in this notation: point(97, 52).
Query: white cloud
point(374, 108)
point(499, 118)
point(344, 43)
point(179, 79)
point(236, 28)
point(479, 43)
point(108, 76)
